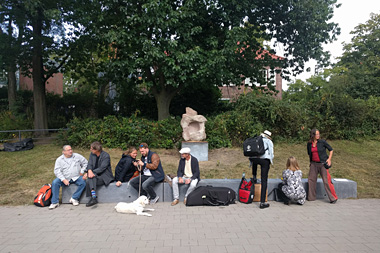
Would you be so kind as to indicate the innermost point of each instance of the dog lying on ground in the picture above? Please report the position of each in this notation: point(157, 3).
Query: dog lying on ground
point(137, 206)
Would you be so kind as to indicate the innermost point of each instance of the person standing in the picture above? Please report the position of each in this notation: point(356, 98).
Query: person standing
point(152, 173)
point(320, 163)
point(187, 173)
point(264, 161)
point(69, 169)
point(99, 171)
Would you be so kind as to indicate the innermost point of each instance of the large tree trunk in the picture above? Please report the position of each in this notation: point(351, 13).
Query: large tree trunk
point(11, 69)
point(39, 95)
point(12, 88)
point(163, 100)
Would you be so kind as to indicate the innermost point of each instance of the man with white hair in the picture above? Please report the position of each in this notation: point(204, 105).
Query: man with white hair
point(187, 173)
point(69, 169)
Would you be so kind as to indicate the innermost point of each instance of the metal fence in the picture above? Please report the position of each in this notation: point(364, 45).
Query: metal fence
point(20, 136)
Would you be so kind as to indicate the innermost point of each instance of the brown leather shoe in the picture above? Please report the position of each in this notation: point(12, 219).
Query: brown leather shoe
point(175, 202)
point(184, 201)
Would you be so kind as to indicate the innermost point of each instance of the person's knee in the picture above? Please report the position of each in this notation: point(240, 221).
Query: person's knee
point(194, 183)
point(56, 182)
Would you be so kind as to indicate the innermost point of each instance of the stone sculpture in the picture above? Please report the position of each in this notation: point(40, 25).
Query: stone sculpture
point(193, 126)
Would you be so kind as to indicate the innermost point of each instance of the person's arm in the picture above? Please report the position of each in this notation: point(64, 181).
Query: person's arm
point(83, 163)
point(104, 163)
point(58, 171)
point(331, 151)
point(195, 168)
point(330, 156)
point(284, 178)
point(154, 164)
point(119, 170)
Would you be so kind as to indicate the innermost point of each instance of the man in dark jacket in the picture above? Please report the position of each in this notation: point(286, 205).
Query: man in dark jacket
point(152, 173)
point(187, 173)
point(99, 171)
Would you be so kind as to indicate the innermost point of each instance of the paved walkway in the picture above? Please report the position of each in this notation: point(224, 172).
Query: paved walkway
point(348, 226)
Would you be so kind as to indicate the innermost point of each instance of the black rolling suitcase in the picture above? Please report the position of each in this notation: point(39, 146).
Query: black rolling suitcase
point(211, 196)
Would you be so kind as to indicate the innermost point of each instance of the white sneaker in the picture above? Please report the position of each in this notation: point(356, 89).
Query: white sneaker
point(74, 202)
point(52, 206)
point(153, 201)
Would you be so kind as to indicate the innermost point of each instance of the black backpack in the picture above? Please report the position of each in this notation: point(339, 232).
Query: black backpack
point(254, 146)
point(211, 196)
point(25, 144)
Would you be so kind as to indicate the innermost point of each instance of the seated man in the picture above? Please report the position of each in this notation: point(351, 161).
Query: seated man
point(99, 171)
point(187, 173)
point(152, 173)
point(68, 169)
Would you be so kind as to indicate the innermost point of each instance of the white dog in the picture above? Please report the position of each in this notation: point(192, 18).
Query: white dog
point(137, 206)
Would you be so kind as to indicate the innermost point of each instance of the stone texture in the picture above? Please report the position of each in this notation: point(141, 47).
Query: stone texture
point(193, 126)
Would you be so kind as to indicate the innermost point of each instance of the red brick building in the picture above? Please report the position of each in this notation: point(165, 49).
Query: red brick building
point(53, 85)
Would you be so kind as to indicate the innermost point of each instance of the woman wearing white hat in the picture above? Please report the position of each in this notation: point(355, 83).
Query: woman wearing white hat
point(264, 160)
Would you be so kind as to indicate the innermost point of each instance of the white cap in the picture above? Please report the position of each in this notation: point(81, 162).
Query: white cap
point(185, 151)
point(268, 133)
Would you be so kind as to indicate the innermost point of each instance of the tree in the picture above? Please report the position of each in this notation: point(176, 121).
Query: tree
point(360, 61)
point(12, 22)
point(38, 28)
point(173, 44)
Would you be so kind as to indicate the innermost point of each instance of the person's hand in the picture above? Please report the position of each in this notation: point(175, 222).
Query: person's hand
point(139, 162)
point(180, 180)
point(90, 174)
point(118, 183)
point(328, 162)
point(84, 176)
point(188, 181)
point(65, 181)
point(135, 164)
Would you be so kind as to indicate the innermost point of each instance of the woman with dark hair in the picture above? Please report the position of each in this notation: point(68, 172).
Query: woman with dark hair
point(125, 170)
point(320, 163)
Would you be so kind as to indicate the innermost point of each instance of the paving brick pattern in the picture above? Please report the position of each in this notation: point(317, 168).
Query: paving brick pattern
point(348, 226)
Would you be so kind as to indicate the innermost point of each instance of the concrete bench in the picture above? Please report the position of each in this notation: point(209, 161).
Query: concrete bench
point(125, 193)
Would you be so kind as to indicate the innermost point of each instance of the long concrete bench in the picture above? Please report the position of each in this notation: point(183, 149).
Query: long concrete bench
point(125, 193)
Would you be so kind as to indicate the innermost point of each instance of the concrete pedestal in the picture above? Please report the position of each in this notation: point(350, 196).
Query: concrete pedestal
point(199, 149)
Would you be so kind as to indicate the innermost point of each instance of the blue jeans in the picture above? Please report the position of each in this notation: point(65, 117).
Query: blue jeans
point(57, 183)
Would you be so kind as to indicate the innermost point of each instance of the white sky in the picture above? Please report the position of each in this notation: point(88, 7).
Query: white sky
point(348, 16)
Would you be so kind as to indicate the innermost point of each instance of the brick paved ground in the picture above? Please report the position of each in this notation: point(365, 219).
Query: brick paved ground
point(348, 226)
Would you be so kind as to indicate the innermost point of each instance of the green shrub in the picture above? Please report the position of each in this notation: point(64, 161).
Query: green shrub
point(119, 132)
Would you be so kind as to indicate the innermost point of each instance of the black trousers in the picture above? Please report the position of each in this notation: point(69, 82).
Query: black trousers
point(91, 183)
point(264, 165)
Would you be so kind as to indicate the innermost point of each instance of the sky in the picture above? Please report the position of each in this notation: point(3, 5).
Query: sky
point(350, 14)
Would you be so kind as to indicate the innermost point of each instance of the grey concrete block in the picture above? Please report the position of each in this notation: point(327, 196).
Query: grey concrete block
point(111, 193)
point(168, 192)
point(199, 149)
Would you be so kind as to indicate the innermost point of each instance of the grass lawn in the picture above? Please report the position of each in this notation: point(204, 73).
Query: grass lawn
point(23, 173)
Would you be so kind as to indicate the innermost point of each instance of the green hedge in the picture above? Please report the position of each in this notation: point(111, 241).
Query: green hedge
point(337, 117)
point(119, 132)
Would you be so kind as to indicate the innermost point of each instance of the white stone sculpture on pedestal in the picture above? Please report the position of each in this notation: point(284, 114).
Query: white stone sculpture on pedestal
point(193, 126)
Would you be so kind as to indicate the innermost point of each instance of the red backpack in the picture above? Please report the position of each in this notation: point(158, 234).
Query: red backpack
point(246, 190)
point(43, 197)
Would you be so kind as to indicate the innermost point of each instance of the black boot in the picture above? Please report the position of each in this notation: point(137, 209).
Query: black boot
point(93, 201)
point(264, 205)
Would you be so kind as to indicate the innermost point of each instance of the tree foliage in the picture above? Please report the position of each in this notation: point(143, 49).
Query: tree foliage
point(174, 44)
point(360, 62)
